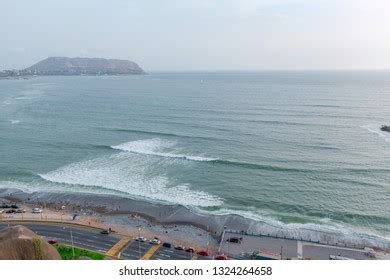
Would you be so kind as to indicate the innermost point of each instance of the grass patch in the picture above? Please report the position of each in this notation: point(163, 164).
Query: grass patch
point(66, 253)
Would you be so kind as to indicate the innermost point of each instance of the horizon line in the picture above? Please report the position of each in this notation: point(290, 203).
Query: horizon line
point(269, 70)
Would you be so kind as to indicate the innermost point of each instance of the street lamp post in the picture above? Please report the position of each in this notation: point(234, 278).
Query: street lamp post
point(281, 252)
point(139, 243)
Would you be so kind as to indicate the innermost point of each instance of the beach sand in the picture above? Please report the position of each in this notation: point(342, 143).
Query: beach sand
point(123, 222)
point(174, 223)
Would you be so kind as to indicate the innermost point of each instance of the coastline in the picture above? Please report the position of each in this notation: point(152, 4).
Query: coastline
point(172, 222)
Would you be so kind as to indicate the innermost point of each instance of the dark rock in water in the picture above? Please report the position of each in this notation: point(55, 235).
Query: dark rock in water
point(385, 128)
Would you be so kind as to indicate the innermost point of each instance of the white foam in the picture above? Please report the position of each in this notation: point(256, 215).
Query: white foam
point(27, 188)
point(15, 121)
point(133, 175)
point(376, 129)
point(155, 147)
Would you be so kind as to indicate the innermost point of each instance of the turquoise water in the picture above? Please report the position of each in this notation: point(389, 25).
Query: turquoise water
point(293, 149)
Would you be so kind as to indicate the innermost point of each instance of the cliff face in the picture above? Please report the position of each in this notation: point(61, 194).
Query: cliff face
point(20, 243)
point(84, 66)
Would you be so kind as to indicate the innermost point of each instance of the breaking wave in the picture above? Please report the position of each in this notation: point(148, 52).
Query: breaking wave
point(155, 147)
point(131, 175)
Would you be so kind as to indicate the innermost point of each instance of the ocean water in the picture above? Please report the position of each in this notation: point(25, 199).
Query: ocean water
point(296, 150)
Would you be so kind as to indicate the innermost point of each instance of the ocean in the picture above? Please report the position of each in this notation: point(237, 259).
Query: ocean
point(302, 151)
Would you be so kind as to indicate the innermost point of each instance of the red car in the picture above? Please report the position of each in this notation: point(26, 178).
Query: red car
point(203, 253)
point(221, 258)
point(52, 242)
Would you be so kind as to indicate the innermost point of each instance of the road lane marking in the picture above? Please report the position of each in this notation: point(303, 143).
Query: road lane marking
point(119, 245)
point(150, 252)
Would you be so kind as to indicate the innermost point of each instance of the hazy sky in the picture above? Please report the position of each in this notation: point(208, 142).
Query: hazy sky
point(200, 34)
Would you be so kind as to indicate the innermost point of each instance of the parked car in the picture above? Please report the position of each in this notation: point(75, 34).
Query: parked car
point(20, 211)
point(52, 242)
point(221, 257)
point(37, 210)
point(234, 240)
point(140, 239)
point(179, 247)
point(167, 245)
point(155, 241)
point(190, 250)
point(105, 231)
point(14, 206)
point(10, 211)
point(203, 253)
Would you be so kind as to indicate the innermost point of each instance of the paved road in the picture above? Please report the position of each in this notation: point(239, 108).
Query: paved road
point(164, 253)
point(93, 240)
point(85, 238)
point(135, 249)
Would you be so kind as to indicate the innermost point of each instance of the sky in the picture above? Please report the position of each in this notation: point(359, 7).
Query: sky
point(200, 35)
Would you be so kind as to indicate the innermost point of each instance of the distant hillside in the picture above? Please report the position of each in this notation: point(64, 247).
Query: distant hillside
point(84, 66)
point(20, 243)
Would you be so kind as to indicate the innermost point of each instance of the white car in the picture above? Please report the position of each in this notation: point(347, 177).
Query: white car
point(155, 241)
point(140, 239)
point(37, 210)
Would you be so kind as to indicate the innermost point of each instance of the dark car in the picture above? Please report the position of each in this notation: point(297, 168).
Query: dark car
point(179, 247)
point(234, 240)
point(14, 206)
point(105, 231)
point(190, 250)
point(10, 211)
point(52, 242)
point(167, 245)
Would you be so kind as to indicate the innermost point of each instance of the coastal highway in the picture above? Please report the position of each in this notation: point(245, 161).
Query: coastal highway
point(135, 249)
point(92, 239)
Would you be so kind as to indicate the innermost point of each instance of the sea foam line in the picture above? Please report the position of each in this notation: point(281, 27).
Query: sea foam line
point(153, 147)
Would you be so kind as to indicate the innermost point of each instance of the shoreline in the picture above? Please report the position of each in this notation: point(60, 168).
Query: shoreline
point(162, 219)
